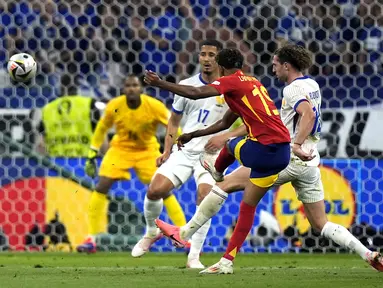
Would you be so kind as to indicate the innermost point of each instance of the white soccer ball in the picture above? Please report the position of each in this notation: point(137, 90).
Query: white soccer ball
point(22, 67)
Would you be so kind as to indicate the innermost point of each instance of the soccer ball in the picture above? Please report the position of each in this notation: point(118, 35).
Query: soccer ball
point(22, 67)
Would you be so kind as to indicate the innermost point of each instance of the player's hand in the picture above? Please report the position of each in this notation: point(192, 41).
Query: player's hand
point(183, 139)
point(304, 156)
point(151, 78)
point(215, 143)
point(162, 159)
point(90, 164)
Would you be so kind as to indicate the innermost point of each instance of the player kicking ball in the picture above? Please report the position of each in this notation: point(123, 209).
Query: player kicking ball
point(177, 166)
point(134, 146)
point(266, 151)
point(301, 104)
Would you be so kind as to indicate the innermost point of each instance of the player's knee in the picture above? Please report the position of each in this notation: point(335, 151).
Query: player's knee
point(104, 185)
point(159, 188)
point(102, 189)
point(156, 192)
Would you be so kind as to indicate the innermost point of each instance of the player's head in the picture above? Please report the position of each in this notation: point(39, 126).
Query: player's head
point(132, 87)
point(208, 51)
point(290, 59)
point(229, 61)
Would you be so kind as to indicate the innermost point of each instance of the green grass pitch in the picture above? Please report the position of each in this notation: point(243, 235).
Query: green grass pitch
point(168, 270)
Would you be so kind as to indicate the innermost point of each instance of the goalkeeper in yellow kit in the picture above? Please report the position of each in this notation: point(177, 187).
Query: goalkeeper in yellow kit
point(135, 117)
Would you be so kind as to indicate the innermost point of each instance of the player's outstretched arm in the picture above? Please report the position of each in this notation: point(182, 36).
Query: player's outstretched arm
point(186, 91)
point(223, 124)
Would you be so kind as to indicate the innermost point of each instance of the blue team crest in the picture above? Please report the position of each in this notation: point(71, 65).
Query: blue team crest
point(220, 101)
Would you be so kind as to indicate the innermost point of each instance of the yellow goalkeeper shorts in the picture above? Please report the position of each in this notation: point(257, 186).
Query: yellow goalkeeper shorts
point(117, 162)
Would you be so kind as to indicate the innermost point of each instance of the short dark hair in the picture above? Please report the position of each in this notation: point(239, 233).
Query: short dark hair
point(296, 55)
point(139, 77)
point(230, 59)
point(211, 42)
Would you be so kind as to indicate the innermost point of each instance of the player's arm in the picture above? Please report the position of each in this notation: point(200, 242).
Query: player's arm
point(306, 124)
point(227, 120)
point(103, 125)
point(96, 108)
point(223, 124)
point(172, 131)
point(186, 91)
point(217, 142)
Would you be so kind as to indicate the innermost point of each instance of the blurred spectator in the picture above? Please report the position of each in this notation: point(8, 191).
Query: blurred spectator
point(370, 35)
point(68, 122)
point(101, 41)
point(260, 32)
point(48, 35)
point(329, 40)
point(295, 26)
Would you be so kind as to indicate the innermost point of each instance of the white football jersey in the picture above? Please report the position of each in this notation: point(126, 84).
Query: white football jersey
point(302, 89)
point(199, 113)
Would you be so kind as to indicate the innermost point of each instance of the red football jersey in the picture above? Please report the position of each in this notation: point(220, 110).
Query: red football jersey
point(248, 98)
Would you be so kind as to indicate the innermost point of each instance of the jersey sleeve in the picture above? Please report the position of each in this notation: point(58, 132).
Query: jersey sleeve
point(294, 95)
point(178, 105)
point(224, 84)
point(109, 113)
point(103, 125)
point(161, 112)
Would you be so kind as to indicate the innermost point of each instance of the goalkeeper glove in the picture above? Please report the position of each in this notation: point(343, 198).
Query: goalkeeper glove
point(90, 164)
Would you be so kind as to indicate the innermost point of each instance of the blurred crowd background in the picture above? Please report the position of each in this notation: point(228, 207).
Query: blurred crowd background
point(97, 42)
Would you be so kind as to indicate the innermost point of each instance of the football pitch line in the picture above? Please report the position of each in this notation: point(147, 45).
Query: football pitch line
point(174, 268)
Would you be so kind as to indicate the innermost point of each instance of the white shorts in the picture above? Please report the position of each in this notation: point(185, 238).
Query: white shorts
point(306, 181)
point(181, 165)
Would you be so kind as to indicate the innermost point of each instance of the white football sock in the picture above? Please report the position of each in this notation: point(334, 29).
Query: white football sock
point(209, 206)
point(341, 236)
point(197, 240)
point(152, 210)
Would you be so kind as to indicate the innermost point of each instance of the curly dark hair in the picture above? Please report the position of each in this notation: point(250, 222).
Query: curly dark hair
point(230, 59)
point(296, 55)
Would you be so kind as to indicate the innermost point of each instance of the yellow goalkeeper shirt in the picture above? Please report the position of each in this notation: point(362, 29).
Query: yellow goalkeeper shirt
point(135, 128)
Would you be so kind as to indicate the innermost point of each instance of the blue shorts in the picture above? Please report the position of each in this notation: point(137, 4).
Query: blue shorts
point(265, 161)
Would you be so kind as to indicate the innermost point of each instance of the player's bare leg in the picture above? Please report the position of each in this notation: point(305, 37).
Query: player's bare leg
point(316, 215)
point(97, 213)
point(210, 206)
point(251, 197)
point(153, 204)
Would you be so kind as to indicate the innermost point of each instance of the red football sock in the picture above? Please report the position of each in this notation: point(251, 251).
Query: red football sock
point(224, 160)
point(242, 229)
